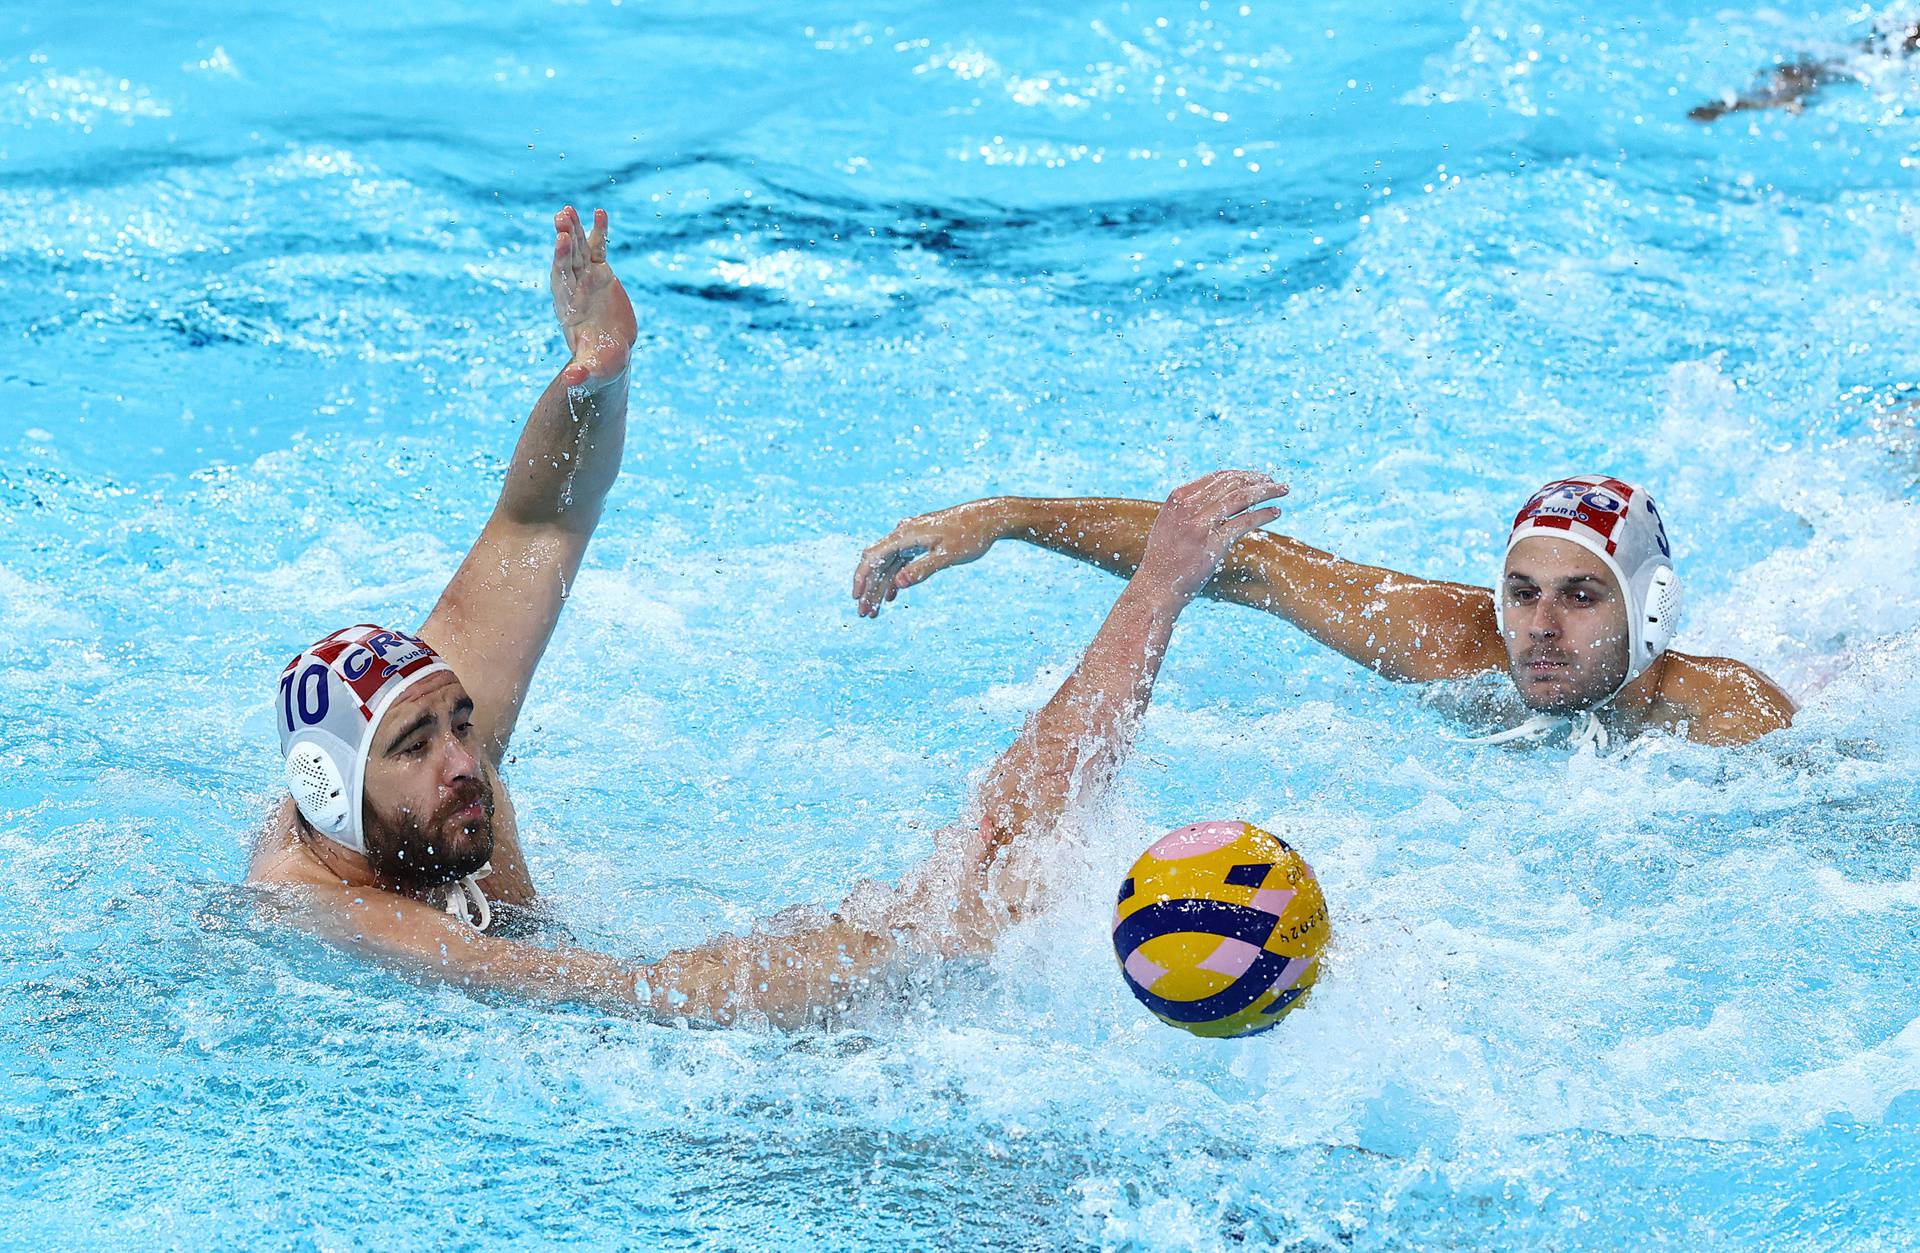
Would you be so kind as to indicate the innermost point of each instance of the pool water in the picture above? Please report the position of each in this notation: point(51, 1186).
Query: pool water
point(272, 310)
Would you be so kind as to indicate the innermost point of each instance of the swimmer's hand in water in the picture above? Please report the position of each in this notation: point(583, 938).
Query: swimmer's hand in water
point(920, 547)
point(595, 315)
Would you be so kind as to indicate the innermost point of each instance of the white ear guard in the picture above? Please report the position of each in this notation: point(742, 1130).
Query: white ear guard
point(319, 790)
point(1660, 613)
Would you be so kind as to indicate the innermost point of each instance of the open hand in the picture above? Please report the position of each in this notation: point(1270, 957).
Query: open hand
point(1200, 523)
point(595, 315)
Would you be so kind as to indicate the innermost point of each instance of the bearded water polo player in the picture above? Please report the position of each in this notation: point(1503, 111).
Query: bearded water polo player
point(399, 838)
point(1588, 601)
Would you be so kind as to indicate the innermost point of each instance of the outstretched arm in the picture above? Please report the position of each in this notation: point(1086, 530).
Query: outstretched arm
point(1405, 628)
point(1074, 743)
point(1069, 749)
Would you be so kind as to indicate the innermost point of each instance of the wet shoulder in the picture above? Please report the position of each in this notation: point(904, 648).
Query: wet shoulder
point(1720, 700)
point(279, 857)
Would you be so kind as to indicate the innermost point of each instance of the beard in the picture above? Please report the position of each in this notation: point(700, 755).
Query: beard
point(417, 854)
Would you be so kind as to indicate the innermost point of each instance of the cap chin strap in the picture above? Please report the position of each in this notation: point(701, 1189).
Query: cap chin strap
point(468, 903)
point(1585, 730)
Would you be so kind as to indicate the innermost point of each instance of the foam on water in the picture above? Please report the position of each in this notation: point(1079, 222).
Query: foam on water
point(271, 336)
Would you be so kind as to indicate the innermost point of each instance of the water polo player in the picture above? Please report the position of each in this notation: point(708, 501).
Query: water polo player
point(399, 837)
point(1588, 601)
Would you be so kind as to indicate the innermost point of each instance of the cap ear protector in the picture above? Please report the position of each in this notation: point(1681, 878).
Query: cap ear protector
point(1660, 613)
point(319, 791)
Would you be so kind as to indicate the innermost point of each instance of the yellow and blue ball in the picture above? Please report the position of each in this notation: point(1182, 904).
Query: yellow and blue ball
point(1219, 929)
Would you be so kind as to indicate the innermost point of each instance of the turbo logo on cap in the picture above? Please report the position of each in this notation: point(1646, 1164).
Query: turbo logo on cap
point(1595, 503)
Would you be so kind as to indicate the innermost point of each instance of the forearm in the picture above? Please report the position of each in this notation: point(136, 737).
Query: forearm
point(1103, 531)
point(568, 456)
point(1400, 626)
point(1080, 736)
point(788, 980)
point(1405, 628)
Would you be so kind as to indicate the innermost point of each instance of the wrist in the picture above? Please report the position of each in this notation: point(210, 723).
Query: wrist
point(1155, 585)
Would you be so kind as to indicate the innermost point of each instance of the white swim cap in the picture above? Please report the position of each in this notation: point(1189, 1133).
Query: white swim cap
point(1616, 522)
point(331, 699)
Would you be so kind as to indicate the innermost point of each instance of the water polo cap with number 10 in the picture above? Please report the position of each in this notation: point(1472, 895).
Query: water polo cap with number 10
point(331, 699)
point(1618, 523)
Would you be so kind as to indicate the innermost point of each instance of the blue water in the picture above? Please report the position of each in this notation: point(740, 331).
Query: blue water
point(271, 311)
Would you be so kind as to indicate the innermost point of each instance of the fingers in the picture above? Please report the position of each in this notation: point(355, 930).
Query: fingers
point(574, 247)
point(580, 245)
point(1209, 489)
point(879, 588)
point(566, 244)
point(913, 553)
point(873, 579)
point(1252, 520)
point(870, 560)
point(597, 241)
point(1224, 493)
point(1245, 496)
point(914, 571)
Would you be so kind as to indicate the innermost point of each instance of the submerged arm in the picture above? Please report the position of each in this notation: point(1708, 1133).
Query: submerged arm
point(1405, 628)
point(790, 979)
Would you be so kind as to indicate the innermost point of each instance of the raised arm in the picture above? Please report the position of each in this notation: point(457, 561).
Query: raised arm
point(1405, 628)
point(494, 619)
point(1073, 745)
point(1068, 751)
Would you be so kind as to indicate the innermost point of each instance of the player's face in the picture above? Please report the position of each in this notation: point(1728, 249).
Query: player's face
point(1566, 625)
point(428, 807)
